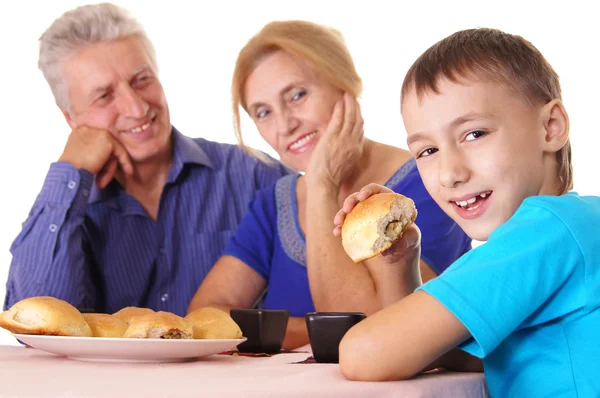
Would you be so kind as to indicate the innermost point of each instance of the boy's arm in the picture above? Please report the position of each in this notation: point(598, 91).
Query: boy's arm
point(402, 340)
point(399, 269)
point(457, 360)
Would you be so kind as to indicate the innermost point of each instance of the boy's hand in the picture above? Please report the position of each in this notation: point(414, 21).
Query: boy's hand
point(352, 200)
point(406, 251)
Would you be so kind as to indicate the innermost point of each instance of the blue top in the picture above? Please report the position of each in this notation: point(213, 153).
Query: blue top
point(270, 240)
point(530, 297)
point(99, 250)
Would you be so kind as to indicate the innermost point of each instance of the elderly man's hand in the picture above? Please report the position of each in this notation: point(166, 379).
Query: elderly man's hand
point(97, 151)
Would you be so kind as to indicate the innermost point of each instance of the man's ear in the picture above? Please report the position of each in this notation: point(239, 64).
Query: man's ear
point(556, 125)
point(72, 123)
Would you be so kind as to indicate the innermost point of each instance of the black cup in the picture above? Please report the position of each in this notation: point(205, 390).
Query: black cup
point(325, 331)
point(264, 329)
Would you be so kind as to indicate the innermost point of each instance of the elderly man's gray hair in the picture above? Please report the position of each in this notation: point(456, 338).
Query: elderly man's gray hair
point(80, 27)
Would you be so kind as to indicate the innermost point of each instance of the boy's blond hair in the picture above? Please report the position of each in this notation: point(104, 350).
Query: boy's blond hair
point(492, 55)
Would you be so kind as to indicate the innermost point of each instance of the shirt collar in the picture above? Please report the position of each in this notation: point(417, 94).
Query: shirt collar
point(185, 151)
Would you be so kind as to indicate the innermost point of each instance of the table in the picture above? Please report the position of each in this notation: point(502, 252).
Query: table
point(30, 372)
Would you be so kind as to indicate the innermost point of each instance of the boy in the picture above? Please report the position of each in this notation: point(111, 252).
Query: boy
point(485, 122)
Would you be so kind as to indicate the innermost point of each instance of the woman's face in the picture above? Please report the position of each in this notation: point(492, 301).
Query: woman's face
point(290, 106)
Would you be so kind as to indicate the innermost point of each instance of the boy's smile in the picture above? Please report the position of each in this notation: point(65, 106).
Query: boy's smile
point(470, 206)
point(481, 150)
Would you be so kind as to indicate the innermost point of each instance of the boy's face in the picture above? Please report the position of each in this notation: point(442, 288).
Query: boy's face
point(480, 150)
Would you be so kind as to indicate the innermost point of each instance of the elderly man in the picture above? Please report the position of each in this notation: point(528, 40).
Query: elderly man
point(163, 205)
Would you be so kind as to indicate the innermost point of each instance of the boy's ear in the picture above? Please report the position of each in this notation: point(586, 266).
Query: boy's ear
point(556, 125)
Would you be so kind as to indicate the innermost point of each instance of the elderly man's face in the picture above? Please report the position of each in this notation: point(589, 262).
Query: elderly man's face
point(114, 86)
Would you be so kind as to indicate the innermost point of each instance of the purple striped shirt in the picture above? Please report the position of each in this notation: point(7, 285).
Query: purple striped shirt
point(99, 250)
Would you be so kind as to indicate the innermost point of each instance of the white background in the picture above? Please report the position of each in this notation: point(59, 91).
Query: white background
point(197, 47)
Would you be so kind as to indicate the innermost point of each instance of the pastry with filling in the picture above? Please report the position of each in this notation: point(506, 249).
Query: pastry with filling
point(375, 224)
point(212, 323)
point(127, 313)
point(106, 325)
point(45, 315)
point(159, 325)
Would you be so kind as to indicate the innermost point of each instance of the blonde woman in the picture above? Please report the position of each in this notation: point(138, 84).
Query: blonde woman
point(298, 83)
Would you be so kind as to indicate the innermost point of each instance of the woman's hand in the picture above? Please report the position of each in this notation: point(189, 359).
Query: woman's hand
point(339, 149)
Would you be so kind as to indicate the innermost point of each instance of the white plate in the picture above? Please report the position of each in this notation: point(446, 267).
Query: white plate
point(127, 350)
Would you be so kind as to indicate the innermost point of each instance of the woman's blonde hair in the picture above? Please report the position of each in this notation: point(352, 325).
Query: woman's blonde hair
point(320, 47)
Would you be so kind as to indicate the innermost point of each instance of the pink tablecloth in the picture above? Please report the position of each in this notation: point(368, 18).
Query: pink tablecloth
point(30, 372)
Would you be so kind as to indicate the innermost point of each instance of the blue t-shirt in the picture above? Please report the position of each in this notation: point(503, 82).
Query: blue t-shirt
point(270, 241)
point(530, 298)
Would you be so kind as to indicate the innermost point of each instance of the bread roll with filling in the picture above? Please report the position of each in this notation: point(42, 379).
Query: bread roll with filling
point(212, 323)
point(45, 315)
point(106, 325)
point(375, 224)
point(127, 313)
point(159, 325)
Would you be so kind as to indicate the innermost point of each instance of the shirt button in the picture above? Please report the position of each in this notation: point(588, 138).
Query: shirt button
point(72, 184)
point(164, 297)
point(162, 250)
point(53, 227)
point(85, 192)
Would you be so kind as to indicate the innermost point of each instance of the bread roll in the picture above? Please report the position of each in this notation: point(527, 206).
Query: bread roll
point(159, 325)
point(375, 224)
point(212, 323)
point(106, 325)
point(127, 313)
point(45, 315)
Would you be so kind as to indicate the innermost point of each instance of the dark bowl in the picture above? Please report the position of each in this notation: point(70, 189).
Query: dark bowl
point(325, 331)
point(264, 329)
